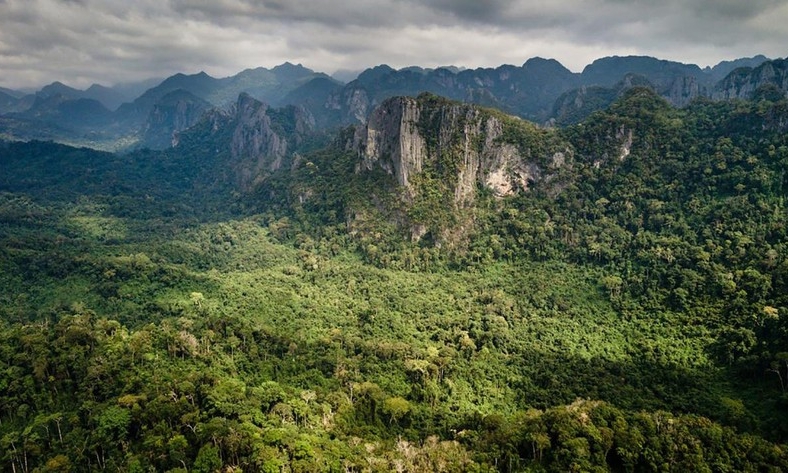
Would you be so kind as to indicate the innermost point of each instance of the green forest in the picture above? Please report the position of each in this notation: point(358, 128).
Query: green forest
point(630, 314)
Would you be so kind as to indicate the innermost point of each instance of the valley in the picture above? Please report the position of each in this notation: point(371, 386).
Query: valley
point(457, 281)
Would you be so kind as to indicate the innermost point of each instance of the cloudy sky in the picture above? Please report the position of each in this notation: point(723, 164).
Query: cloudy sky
point(80, 42)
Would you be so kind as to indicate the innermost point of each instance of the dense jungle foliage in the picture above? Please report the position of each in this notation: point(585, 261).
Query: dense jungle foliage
point(627, 315)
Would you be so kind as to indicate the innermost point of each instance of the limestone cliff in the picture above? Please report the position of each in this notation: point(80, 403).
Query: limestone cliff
point(260, 139)
point(264, 138)
point(684, 90)
point(464, 146)
point(743, 83)
point(391, 139)
point(351, 104)
point(577, 105)
point(174, 113)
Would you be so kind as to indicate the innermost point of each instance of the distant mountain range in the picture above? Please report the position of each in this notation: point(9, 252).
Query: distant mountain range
point(541, 90)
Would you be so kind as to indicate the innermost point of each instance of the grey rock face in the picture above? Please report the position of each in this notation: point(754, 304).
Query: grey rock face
point(404, 135)
point(742, 83)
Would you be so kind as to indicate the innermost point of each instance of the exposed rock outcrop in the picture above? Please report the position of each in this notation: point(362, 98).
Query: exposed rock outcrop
point(260, 139)
point(684, 90)
point(174, 113)
point(350, 104)
point(253, 138)
point(464, 146)
point(743, 83)
point(392, 141)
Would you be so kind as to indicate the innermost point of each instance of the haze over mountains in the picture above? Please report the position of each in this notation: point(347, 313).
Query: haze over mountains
point(541, 90)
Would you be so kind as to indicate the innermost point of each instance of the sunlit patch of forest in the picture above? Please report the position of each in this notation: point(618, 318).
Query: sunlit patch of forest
point(152, 318)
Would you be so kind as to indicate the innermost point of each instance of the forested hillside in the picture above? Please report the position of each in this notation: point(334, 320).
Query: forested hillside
point(624, 310)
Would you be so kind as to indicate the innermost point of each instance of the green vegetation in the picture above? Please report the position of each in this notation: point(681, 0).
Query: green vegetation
point(628, 315)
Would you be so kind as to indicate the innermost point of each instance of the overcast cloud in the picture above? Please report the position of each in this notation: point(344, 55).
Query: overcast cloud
point(80, 42)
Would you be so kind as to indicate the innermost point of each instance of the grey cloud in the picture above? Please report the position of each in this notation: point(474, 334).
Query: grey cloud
point(730, 10)
point(370, 13)
point(472, 10)
point(107, 41)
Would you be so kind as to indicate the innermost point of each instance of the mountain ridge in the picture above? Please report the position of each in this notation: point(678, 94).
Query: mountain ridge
point(536, 91)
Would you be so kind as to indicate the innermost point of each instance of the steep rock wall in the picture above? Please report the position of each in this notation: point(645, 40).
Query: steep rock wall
point(463, 144)
point(392, 141)
point(260, 140)
point(253, 140)
point(742, 83)
point(174, 113)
